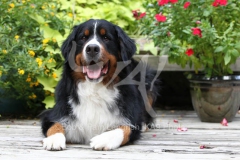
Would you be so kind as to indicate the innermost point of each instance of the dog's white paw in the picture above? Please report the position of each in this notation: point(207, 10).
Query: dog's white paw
point(55, 142)
point(107, 140)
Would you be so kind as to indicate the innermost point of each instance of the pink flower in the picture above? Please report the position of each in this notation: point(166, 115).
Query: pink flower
point(183, 129)
point(138, 15)
point(189, 52)
point(202, 146)
point(198, 22)
point(197, 31)
point(160, 17)
point(216, 3)
point(162, 2)
point(223, 2)
point(186, 5)
point(168, 34)
point(224, 122)
point(142, 15)
point(173, 1)
point(175, 121)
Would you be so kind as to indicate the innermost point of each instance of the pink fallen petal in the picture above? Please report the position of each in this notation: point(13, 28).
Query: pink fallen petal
point(224, 122)
point(183, 129)
point(175, 121)
point(202, 146)
point(154, 135)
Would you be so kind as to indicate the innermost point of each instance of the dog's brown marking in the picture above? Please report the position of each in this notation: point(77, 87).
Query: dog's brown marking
point(56, 128)
point(78, 75)
point(111, 75)
point(86, 32)
point(150, 99)
point(126, 134)
point(102, 31)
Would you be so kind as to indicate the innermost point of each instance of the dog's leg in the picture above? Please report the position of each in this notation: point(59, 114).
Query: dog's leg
point(55, 138)
point(111, 139)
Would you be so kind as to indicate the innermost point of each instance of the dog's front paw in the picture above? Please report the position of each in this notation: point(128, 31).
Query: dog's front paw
point(55, 142)
point(107, 140)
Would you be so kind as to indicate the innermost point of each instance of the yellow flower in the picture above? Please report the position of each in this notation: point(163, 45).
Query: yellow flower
point(43, 7)
point(12, 5)
point(36, 83)
point(17, 37)
point(32, 6)
point(52, 14)
point(46, 24)
point(46, 71)
point(33, 96)
point(54, 75)
point(31, 85)
point(70, 14)
point(21, 71)
point(4, 51)
point(52, 6)
point(54, 40)
point(50, 60)
point(47, 93)
point(45, 41)
point(31, 53)
point(39, 61)
point(28, 79)
point(0, 73)
point(23, 1)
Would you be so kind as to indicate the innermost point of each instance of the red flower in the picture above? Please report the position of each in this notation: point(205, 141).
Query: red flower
point(197, 31)
point(216, 3)
point(142, 15)
point(223, 2)
point(162, 2)
point(186, 5)
point(189, 52)
point(138, 15)
point(160, 17)
point(173, 1)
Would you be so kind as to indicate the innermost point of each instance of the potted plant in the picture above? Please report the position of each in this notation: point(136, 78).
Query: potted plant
point(205, 35)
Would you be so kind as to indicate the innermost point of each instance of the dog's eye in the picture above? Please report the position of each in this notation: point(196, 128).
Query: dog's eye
point(84, 38)
point(106, 38)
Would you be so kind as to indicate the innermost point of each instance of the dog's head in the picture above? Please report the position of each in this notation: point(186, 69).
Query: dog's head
point(100, 45)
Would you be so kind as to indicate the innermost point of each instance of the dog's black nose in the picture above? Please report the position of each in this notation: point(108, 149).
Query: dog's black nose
point(92, 50)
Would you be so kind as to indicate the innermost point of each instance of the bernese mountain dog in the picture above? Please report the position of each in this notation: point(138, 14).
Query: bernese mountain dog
point(104, 96)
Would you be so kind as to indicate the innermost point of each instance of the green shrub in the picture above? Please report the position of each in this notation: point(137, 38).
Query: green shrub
point(31, 33)
point(29, 37)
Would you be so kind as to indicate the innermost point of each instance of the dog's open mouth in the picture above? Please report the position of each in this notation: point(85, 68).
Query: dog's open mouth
point(96, 70)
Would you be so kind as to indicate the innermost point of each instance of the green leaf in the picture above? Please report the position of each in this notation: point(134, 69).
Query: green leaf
point(49, 101)
point(48, 83)
point(150, 47)
point(206, 13)
point(37, 18)
point(235, 53)
point(219, 49)
point(227, 59)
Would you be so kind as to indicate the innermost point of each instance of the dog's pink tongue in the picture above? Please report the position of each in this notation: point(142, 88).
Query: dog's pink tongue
point(94, 73)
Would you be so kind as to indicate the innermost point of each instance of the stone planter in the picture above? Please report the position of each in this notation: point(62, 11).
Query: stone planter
point(216, 98)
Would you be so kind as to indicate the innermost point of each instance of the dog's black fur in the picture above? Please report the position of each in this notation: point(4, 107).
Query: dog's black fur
point(116, 43)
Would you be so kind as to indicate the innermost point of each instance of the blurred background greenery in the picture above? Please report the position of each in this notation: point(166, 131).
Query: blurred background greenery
point(31, 33)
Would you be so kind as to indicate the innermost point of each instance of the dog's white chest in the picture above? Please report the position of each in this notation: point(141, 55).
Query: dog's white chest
point(96, 113)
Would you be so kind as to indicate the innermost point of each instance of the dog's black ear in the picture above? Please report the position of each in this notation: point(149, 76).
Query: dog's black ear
point(128, 47)
point(67, 44)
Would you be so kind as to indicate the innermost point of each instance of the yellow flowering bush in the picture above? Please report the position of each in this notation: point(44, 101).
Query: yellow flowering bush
point(29, 52)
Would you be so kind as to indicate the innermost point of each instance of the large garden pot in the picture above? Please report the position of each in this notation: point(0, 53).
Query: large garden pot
point(215, 98)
